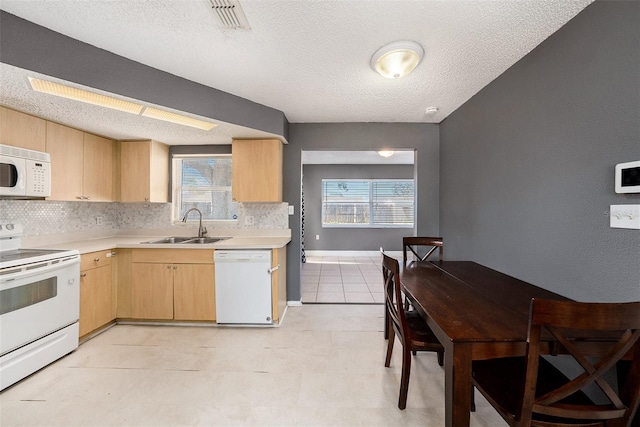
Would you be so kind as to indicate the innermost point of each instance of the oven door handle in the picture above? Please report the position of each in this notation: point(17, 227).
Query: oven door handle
point(29, 270)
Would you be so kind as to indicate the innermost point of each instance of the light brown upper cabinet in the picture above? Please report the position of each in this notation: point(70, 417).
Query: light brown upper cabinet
point(256, 170)
point(81, 164)
point(22, 130)
point(144, 175)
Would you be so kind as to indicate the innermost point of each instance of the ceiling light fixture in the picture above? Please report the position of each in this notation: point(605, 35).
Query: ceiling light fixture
point(76, 94)
point(386, 153)
point(100, 100)
point(167, 116)
point(397, 59)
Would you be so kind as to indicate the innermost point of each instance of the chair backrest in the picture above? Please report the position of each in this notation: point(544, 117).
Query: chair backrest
point(393, 296)
point(571, 323)
point(429, 245)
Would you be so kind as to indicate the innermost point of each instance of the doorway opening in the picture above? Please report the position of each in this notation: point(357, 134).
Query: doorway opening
point(341, 264)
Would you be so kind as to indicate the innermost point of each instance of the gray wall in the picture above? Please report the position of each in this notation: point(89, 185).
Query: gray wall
point(422, 137)
point(343, 238)
point(30, 46)
point(528, 163)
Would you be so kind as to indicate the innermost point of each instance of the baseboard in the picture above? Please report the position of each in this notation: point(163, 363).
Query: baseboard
point(313, 253)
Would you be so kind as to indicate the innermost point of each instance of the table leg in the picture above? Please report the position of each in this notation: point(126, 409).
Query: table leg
point(457, 385)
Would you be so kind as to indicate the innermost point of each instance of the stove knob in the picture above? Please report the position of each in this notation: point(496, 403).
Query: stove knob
point(9, 226)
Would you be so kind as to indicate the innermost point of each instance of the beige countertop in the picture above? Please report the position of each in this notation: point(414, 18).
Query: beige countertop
point(241, 240)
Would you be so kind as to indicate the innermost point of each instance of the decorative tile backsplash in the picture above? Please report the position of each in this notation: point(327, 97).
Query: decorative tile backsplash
point(50, 217)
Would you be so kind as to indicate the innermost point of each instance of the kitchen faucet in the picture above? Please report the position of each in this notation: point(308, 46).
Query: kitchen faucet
point(201, 230)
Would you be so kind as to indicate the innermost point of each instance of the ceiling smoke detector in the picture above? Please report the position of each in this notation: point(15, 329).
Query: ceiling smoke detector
point(230, 14)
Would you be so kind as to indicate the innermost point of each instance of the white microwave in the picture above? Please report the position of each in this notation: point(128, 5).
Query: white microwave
point(24, 173)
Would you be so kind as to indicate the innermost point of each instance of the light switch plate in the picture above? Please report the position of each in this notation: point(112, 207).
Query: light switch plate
point(291, 209)
point(624, 216)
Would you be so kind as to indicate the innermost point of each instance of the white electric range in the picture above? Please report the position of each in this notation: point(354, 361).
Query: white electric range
point(39, 305)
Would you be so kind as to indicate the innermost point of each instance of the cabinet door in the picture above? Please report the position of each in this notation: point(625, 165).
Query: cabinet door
point(135, 171)
point(22, 130)
point(95, 298)
point(98, 168)
point(194, 292)
point(151, 291)
point(65, 146)
point(144, 173)
point(257, 170)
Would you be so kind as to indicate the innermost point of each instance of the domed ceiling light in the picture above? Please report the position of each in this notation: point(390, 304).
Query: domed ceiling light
point(386, 153)
point(397, 59)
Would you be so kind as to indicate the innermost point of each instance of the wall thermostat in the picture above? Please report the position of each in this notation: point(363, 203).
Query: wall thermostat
point(628, 177)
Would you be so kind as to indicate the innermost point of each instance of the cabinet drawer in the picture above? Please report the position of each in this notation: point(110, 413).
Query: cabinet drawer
point(95, 259)
point(173, 256)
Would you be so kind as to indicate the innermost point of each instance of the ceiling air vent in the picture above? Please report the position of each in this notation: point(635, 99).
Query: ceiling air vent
point(230, 14)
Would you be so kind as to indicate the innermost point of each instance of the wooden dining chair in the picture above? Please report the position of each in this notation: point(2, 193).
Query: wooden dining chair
point(530, 391)
point(422, 248)
point(411, 329)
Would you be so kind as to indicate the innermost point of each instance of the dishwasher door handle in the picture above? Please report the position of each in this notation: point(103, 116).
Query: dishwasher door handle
point(271, 270)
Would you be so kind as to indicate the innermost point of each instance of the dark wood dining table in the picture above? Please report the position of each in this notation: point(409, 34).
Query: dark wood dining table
point(476, 313)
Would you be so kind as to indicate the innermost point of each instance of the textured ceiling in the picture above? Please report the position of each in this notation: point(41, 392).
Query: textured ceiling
point(310, 58)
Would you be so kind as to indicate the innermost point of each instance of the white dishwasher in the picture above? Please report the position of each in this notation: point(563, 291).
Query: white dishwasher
point(243, 286)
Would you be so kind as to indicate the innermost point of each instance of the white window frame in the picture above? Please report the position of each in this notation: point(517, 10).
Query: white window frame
point(176, 215)
point(370, 224)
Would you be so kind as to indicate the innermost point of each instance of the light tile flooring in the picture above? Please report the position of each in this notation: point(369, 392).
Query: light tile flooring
point(342, 280)
point(323, 367)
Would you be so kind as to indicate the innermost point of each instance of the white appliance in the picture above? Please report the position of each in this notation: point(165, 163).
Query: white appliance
point(243, 286)
point(24, 173)
point(39, 305)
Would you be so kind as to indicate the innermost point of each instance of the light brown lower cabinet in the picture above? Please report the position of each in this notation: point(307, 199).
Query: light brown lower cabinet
point(96, 291)
point(180, 290)
point(194, 296)
point(152, 291)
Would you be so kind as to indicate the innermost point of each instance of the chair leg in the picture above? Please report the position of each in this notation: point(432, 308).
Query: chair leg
point(473, 399)
point(392, 337)
point(386, 322)
point(441, 358)
point(404, 380)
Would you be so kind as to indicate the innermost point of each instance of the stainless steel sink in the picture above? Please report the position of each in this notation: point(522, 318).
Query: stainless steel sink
point(170, 240)
point(205, 240)
point(187, 240)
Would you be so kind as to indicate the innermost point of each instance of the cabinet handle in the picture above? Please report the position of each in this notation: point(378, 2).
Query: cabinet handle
point(79, 197)
point(83, 274)
point(146, 199)
point(271, 270)
point(86, 198)
point(175, 267)
point(96, 260)
point(168, 267)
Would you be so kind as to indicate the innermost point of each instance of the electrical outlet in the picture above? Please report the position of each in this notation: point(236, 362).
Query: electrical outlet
point(317, 237)
point(291, 211)
point(98, 220)
point(249, 220)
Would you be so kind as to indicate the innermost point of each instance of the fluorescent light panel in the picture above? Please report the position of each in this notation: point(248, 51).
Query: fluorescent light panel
point(167, 116)
point(84, 96)
point(76, 94)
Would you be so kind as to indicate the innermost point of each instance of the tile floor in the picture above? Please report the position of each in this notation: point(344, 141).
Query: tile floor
point(337, 279)
point(323, 367)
